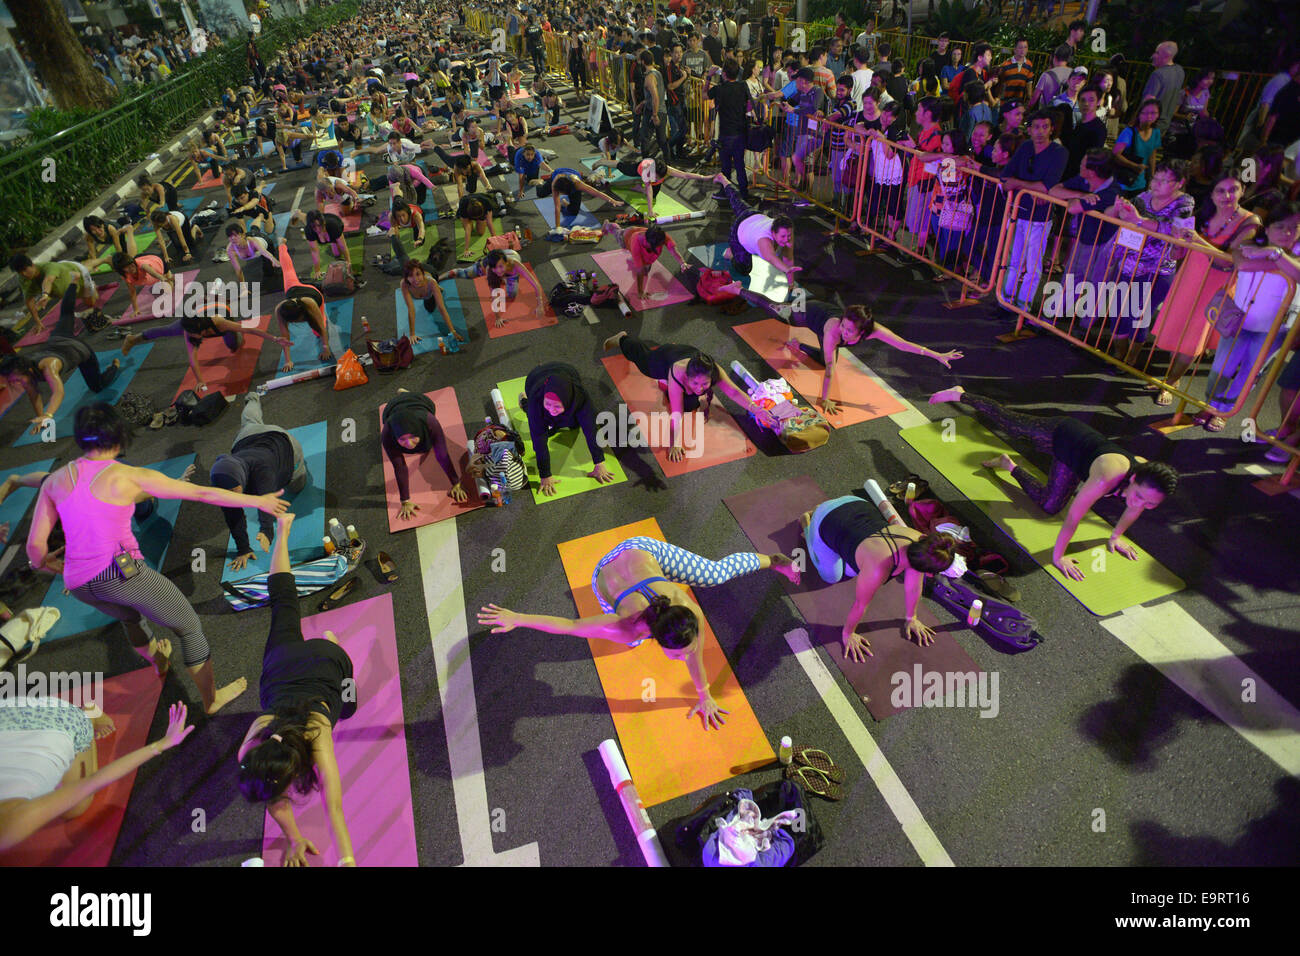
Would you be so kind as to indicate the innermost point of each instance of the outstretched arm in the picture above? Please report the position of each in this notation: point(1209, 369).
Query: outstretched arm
point(606, 627)
point(895, 340)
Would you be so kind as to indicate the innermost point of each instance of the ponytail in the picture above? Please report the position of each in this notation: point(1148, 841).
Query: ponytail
point(672, 625)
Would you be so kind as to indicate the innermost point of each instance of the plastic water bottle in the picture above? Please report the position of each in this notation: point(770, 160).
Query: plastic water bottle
point(337, 534)
point(786, 753)
point(910, 495)
point(496, 493)
point(365, 324)
point(353, 539)
point(442, 345)
point(505, 492)
point(328, 543)
point(976, 611)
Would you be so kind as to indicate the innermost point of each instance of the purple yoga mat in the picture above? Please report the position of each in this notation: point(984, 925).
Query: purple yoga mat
point(370, 747)
point(770, 519)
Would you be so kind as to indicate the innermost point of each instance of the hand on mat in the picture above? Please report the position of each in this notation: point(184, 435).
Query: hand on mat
point(829, 406)
point(297, 855)
point(272, 504)
point(601, 474)
point(855, 646)
point(287, 366)
point(263, 541)
point(500, 618)
point(1119, 547)
point(39, 422)
point(176, 729)
point(921, 633)
point(947, 358)
point(501, 320)
point(709, 710)
point(1070, 568)
point(548, 486)
point(676, 453)
point(457, 493)
point(240, 561)
point(408, 510)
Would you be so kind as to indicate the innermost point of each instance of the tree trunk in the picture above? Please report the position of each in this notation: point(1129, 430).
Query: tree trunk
point(60, 60)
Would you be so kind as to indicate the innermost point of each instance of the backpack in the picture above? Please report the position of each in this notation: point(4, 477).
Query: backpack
point(501, 452)
point(192, 410)
point(135, 408)
point(338, 280)
point(710, 282)
point(439, 255)
point(567, 299)
point(390, 355)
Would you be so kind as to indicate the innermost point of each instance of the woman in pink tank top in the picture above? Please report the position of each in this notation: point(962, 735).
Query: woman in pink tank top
point(94, 497)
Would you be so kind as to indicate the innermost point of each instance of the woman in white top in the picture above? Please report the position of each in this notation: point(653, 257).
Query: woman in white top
point(48, 765)
point(1261, 287)
point(754, 234)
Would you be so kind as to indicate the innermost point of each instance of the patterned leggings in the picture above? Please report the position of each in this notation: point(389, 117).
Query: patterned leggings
point(740, 257)
point(150, 595)
point(679, 565)
point(1061, 481)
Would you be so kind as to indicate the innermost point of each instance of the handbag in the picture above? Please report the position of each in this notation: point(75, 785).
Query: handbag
point(390, 354)
point(1224, 314)
point(1123, 175)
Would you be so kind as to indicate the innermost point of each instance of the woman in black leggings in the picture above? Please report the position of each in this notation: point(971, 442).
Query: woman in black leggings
point(1079, 455)
point(306, 688)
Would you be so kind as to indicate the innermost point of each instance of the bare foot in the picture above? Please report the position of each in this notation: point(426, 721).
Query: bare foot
point(189, 473)
point(331, 637)
point(131, 340)
point(792, 348)
point(612, 341)
point(402, 389)
point(784, 565)
point(228, 693)
point(158, 653)
point(117, 363)
point(947, 395)
point(283, 522)
point(104, 726)
point(1002, 461)
point(805, 520)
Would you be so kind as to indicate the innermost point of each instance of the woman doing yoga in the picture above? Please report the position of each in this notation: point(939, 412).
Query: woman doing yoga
point(410, 427)
point(553, 399)
point(638, 586)
point(1079, 454)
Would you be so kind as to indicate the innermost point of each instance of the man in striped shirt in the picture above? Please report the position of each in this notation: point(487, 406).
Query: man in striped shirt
point(823, 78)
point(1016, 74)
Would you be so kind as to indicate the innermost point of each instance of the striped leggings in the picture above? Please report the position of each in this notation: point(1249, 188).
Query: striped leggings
point(150, 595)
point(679, 565)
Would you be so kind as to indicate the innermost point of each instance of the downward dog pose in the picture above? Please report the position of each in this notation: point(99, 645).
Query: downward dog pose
point(502, 267)
point(686, 376)
point(569, 184)
point(836, 327)
point(95, 497)
point(754, 234)
point(410, 427)
point(262, 459)
point(643, 247)
point(303, 693)
point(1079, 454)
point(139, 272)
point(638, 587)
point(554, 398)
point(49, 768)
point(848, 537)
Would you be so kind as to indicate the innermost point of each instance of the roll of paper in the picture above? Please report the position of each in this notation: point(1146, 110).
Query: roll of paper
point(499, 404)
point(646, 837)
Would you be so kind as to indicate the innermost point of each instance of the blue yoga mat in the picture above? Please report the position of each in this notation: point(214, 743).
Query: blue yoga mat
point(547, 208)
point(429, 326)
point(589, 163)
point(16, 505)
point(281, 223)
point(270, 187)
point(191, 205)
point(308, 507)
point(305, 347)
point(154, 535)
point(75, 392)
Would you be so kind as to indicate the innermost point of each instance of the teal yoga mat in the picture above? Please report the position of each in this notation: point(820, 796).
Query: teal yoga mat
point(16, 505)
point(429, 326)
point(75, 392)
point(305, 347)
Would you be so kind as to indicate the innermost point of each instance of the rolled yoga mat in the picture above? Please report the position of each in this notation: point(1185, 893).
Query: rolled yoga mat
point(668, 756)
point(1120, 584)
point(769, 516)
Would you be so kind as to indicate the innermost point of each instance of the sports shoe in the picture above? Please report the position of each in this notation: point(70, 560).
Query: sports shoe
point(374, 231)
point(212, 204)
point(221, 256)
point(721, 196)
point(1276, 453)
point(801, 203)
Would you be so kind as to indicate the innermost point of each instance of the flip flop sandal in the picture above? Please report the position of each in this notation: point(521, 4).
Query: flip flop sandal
point(1164, 399)
point(814, 781)
point(157, 422)
point(339, 593)
point(899, 488)
point(821, 761)
point(387, 567)
point(170, 415)
point(998, 586)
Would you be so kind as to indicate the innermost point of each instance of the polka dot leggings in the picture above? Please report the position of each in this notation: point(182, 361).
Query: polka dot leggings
point(680, 566)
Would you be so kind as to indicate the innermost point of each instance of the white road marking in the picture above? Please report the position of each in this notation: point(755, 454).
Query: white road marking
point(444, 602)
point(918, 832)
point(588, 312)
point(1170, 639)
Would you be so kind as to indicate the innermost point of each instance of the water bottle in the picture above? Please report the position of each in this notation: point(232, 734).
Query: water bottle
point(976, 611)
point(910, 495)
point(505, 492)
point(339, 536)
point(328, 543)
point(442, 345)
point(365, 324)
point(786, 753)
point(353, 539)
point(496, 493)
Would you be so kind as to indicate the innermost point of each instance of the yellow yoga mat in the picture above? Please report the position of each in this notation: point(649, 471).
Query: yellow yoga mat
point(667, 755)
point(1111, 583)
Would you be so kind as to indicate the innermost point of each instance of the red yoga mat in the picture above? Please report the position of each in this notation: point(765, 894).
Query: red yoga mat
point(223, 372)
point(145, 298)
point(370, 747)
point(722, 440)
point(521, 314)
point(614, 263)
point(770, 519)
point(130, 699)
point(429, 485)
point(861, 398)
point(351, 220)
point(208, 181)
point(51, 318)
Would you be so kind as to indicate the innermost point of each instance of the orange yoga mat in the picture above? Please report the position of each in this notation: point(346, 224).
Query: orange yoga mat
point(667, 755)
point(722, 440)
point(429, 484)
point(88, 840)
point(207, 182)
point(521, 315)
point(861, 398)
point(223, 372)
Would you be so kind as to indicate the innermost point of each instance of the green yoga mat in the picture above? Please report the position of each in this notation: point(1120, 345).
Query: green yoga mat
point(665, 204)
point(570, 459)
point(477, 245)
point(1107, 588)
point(357, 251)
point(143, 241)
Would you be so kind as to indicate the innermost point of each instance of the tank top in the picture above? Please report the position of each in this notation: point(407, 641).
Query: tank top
point(752, 229)
point(1077, 446)
point(846, 527)
point(95, 531)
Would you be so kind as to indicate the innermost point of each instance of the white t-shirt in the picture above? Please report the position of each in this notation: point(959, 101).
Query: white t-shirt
point(753, 229)
point(33, 762)
point(861, 83)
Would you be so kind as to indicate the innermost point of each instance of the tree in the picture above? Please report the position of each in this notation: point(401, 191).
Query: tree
point(63, 65)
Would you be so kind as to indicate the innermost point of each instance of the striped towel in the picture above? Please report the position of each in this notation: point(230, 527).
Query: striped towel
point(310, 577)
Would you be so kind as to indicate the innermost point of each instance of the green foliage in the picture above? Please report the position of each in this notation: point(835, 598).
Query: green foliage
point(952, 17)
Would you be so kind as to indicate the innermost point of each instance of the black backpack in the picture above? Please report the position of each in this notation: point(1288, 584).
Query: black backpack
point(192, 410)
point(568, 299)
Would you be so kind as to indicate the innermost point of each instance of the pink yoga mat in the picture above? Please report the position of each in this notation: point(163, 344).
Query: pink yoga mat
point(722, 441)
point(130, 699)
point(207, 182)
point(351, 220)
point(370, 747)
point(51, 318)
point(770, 519)
point(429, 485)
point(521, 314)
point(146, 298)
point(615, 264)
